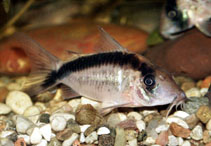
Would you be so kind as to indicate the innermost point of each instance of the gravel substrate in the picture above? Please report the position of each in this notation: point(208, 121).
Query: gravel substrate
point(51, 121)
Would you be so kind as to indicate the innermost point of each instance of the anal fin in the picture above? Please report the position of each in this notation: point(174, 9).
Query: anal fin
point(68, 93)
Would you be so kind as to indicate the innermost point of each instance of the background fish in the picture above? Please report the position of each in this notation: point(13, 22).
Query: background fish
point(181, 15)
point(114, 76)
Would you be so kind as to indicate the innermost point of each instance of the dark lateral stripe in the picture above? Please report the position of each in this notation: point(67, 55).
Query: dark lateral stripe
point(116, 58)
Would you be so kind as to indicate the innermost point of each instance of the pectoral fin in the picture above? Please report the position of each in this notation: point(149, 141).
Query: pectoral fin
point(68, 93)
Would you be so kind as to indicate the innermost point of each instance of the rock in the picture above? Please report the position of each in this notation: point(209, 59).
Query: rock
point(197, 133)
point(73, 126)
point(134, 115)
point(133, 142)
point(54, 142)
point(186, 143)
point(177, 120)
point(58, 123)
point(192, 121)
point(65, 134)
point(91, 129)
point(91, 138)
point(206, 82)
point(172, 141)
point(148, 112)
point(42, 143)
point(36, 136)
point(208, 125)
point(60, 38)
point(41, 106)
point(106, 140)
point(142, 136)
point(4, 109)
point(149, 141)
point(46, 131)
point(115, 119)
point(6, 142)
point(204, 114)
point(128, 124)
point(18, 101)
point(175, 55)
point(84, 127)
point(26, 138)
point(74, 103)
point(193, 92)
point(86, 114)
point(140, 125)
point(66, 116)
point(208, 144)
point(70, 140)
point(120, 137)
point(181, 114)
point(162, 127)
point(20, 142)
point(130, 134)
point(31, 111)
point(45, 118)
point(179, 131)
point(162, 138)
point(95, 104)
point(82, 138)
point(187, 85)
point(103, 130)
point(206, 136)
point(22, 124)
point(3, 94)
point(203, 91)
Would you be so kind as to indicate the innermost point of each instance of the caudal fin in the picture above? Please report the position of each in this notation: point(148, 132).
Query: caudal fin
point(43, 65)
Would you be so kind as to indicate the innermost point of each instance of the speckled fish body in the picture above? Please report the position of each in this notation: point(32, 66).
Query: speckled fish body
point(180, 15)
point(117, 78)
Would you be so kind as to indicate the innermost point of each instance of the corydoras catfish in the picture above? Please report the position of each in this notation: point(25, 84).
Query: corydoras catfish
point(180, 15)
point(113, 76)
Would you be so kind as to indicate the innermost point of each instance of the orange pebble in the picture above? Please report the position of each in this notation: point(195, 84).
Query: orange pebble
point(76, 143)
point(20, 142)
point(206, 82)
point(208, 144)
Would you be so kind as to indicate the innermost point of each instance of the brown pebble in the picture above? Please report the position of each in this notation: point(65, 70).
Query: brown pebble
point(208, 144)
point(192, 121)
point(106, 140)
point(206, 137)
point(204, 113)
point(179, 131)
point(3, 93)
point(187, 85)
point(128, 124)
point(90, 130)
point(162, 138)
point(62, 135)
point(20, 142)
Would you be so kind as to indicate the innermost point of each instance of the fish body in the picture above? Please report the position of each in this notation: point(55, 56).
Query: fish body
point(180, 15)
point(116, 78)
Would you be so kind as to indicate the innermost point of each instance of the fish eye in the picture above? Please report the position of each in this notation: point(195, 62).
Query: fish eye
point(149, 80)
point(172, 14)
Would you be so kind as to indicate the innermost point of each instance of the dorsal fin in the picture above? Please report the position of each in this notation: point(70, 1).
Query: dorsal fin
point(107, 43)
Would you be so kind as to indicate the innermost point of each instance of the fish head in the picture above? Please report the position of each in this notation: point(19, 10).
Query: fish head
point(156, 88)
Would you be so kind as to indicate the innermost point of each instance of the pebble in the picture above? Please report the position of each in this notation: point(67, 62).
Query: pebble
point(206, 136)
point(54, 142)
point(5, 134)
point(134, 115)
point(73, 126)
point(186, 143)
point(203, 91)
point(95, 104)
point(74, 103)
point(204, 113)
point(58, 123)
point(192, 121)
point(22, 124)
point(65, 134)
point(180, 140)
point(41, 106)
point(162, 138)
point(193, 92)
point(103, 130)
point(115, 119)
point(140, 125)
point(120, 139)
point(130, 134)
point(45, 118)
point(32, 110)
point(208, 125)
point(66, 116)
point(4, 109)
point(14, 86)
point(187, 85)
point(26, 138)
point(42, 143)
point(206, 82)
point(197, 133)
point(84, 127)
point(133, 142)
point(20, 142)
point(36, 136)
point(172, 141)
point(162, 127)
point(91, 138)
point(82, 138)
point(106, 140)
point(181, 114)
point(6, 142)
point(46, 131)
point(179, 131)
point(18, 101)
point(148, 112)
point(70, 140)
point(149, 141)
point(208, 144)
point(3, 94)
point(177, 120)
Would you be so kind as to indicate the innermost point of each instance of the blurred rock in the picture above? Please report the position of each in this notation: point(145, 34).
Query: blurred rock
point(80, 36)
point(179, 131)
point(188, 55)
point(162, 138)
point(204, 113)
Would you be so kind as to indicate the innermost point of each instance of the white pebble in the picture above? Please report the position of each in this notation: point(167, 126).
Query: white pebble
point(160, 128)
point(103, 130)
point(133, 142)
point(180, 140)
point(58, 123)
point(172, 141)
point(66, 116)
point(95, 104)
point(5, 134)
point(26, 138)
point(203, 91)
point(177, 120)
point(186, 143)
point(36, 136)
point(193, 92)
point(74, 103)
point(149, 141)
point(115, 119)
point(22, 124)
point(140, 125)
point(18, 101)
point(197, 133)
point(181, 114)
point(31, 111)
point(42, 143)
point(4, 109)
point(46, 131)
point(84, 127)
point(14, 86)
point(82, 138)
point(91, 138)
point(208, 125)
point(148, 112)
point(134, 115)
point(69, 141)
